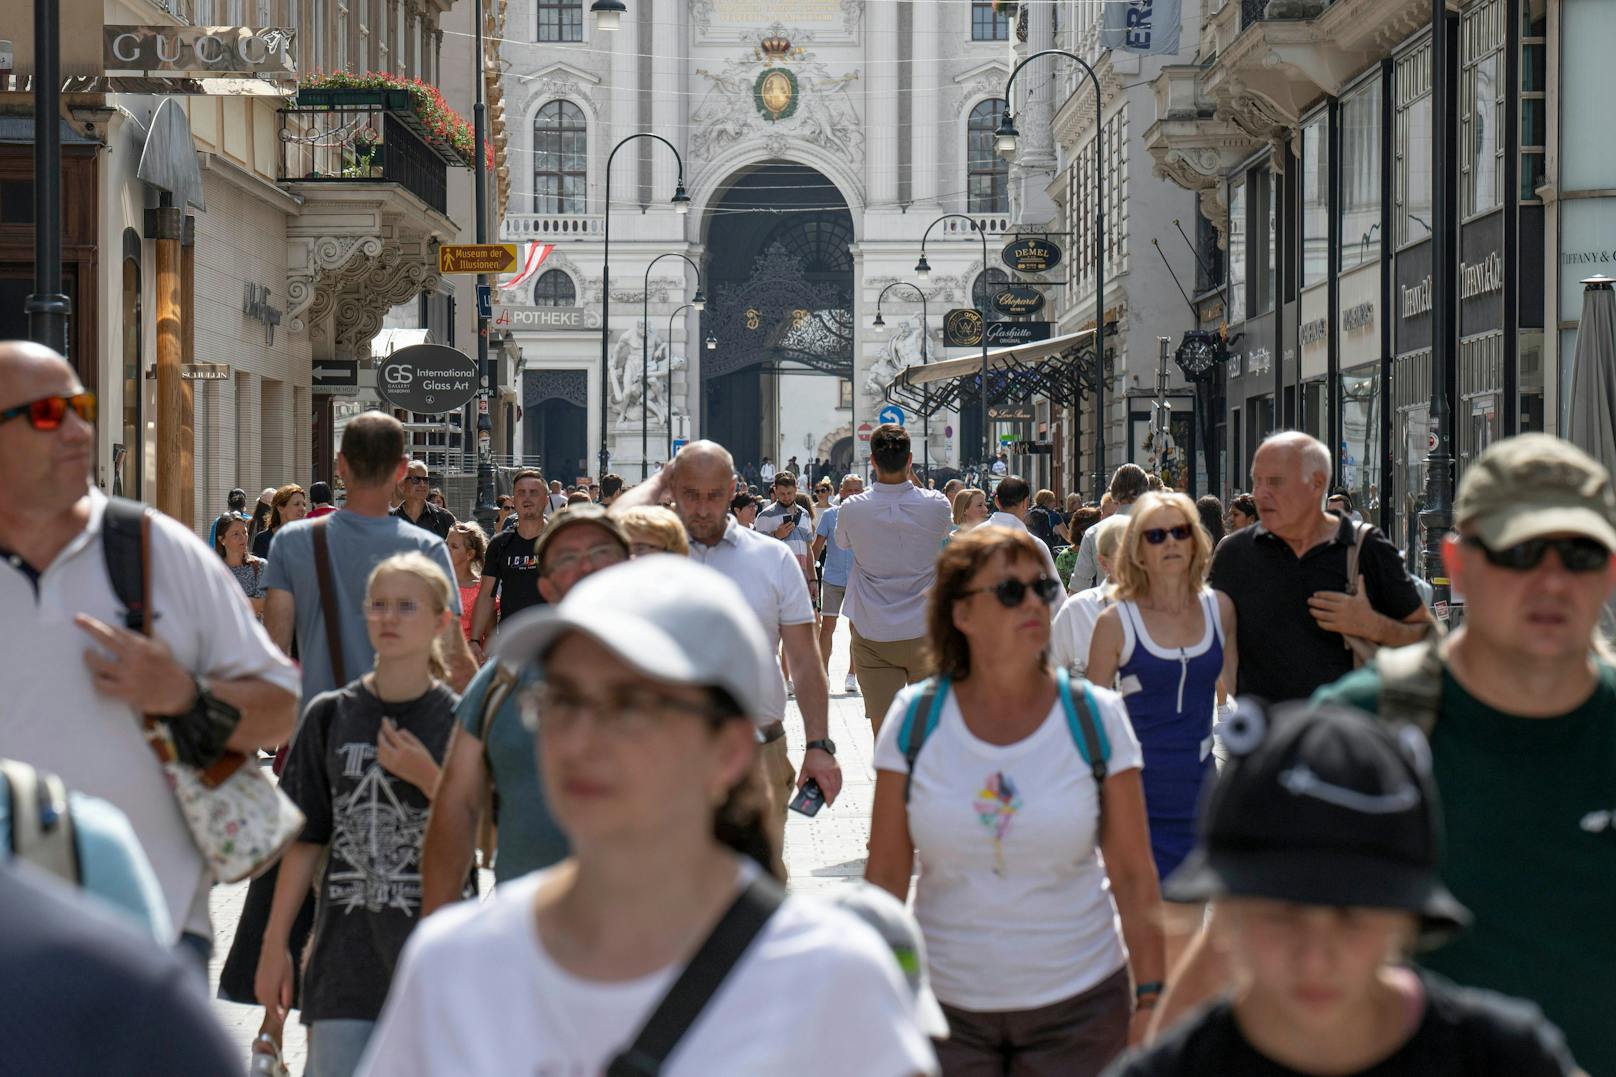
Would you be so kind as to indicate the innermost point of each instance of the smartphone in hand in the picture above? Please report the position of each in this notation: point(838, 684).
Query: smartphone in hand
point(809, 799)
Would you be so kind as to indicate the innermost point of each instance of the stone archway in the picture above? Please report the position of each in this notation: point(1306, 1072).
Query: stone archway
point(779, 273)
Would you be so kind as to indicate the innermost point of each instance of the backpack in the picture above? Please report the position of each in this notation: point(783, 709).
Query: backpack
point(42, 831)
point(1089, 736)
point(1411, 683)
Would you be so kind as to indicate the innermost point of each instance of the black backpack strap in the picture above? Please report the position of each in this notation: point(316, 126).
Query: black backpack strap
point(122, 546)
point(700, 981)
point(328, 601)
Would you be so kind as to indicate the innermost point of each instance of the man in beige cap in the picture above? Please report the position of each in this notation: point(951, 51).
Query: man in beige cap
point(1521, 714)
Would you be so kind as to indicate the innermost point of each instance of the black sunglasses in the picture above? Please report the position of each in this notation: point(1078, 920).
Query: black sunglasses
point(1013, 592)
point(48, 412)
point(1576, 554)
point(1158, 535)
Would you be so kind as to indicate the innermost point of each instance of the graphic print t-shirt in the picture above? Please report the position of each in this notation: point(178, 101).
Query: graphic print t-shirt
point(511, 561)
point(373, 824)
point(1012, 897)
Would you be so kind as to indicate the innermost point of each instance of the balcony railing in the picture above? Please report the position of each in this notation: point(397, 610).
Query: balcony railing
point(1275, 10)
point(519, 226)
point(995, 224)
point(361, 144)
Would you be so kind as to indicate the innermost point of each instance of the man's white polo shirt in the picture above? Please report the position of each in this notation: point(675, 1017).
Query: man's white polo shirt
point(52, 716)
point(767, 573)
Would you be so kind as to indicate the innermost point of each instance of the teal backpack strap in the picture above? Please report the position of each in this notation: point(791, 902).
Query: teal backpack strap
point(926, 704)
point(1089, 736)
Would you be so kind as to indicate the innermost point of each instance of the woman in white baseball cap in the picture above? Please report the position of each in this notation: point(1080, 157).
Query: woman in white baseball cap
point(663, 944)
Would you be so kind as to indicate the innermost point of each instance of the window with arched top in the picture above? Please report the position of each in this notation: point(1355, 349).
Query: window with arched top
point(987, 175)
point(554, 289)
point(986, 286)
point(560, 158)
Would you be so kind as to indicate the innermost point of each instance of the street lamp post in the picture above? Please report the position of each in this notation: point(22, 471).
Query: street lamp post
point(925, 407)
point(923, 274)
point(1006, 135)
point(697, 301)
point(485, 511)
point(712, 345)
point(681, 204)
point(48, 309)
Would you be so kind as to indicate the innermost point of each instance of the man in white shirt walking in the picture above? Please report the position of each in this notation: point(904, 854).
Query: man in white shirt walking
point(894, 531)
point(701, 482)
point(1013, 498)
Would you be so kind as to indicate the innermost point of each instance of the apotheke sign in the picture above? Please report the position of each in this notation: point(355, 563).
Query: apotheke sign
point(546, 319)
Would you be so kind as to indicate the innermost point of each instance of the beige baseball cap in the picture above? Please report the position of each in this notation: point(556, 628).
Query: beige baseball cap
point(1533, 485)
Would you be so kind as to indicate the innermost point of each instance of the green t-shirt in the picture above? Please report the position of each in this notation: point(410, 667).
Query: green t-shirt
point(528, 836)
point(1529, 846)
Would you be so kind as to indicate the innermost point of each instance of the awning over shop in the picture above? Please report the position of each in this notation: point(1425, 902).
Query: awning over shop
point(1051, 368)
point(388, 341)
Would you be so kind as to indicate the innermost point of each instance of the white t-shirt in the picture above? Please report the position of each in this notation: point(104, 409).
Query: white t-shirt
point(1013, 899)
point(477, 993)
point(52, 716)
point(1072, 631)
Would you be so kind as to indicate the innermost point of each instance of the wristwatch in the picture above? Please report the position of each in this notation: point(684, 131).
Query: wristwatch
point(824, 744)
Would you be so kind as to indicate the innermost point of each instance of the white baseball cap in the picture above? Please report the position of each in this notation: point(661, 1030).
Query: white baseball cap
point(666, 616)
point(900, 931)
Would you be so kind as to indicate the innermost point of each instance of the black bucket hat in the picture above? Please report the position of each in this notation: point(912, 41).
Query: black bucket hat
point(1323, 806)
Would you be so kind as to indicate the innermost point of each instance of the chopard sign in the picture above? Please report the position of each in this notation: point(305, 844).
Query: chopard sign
point(1483, 277)
point(1417, 300)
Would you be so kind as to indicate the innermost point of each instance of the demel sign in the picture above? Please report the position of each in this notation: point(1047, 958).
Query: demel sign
point(428, 378)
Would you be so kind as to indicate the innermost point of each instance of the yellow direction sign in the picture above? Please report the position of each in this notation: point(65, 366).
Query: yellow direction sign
point(476, 257)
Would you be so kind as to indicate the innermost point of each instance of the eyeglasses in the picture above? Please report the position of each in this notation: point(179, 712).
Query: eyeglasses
point(1158, 535)
point(48, 412)
point(1013, 591)
point(626, 716)
point(1578, 554)
point(421, 479)
point(377, 608)
point(607, 553)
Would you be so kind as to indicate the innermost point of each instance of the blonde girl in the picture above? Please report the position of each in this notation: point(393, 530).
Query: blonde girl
point(363, 769)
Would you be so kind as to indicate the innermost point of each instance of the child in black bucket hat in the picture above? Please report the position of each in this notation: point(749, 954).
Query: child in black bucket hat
point(1320, 844)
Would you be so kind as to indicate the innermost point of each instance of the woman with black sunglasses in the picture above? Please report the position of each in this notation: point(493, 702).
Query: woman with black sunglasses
point(1167, 642)
point(1025, 941)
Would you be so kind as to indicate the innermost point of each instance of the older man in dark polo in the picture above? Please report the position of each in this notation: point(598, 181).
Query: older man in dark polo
point(1287, 576)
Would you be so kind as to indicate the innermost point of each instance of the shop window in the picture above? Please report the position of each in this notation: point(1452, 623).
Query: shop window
point(1481, 109)
point(1265, 261)
point(1534, 117)
point(1315, 168)
point(1529, 382)
point(987, 177)
point(1360, 175)
point(17, 201)
point(1358, 465)
point(1414, 149)
point(1237, 251)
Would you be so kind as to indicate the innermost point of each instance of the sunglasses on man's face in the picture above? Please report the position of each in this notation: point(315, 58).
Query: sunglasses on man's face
point(48, 413)
point(1577, 554)
point(1013, 592)
point(1158, 535)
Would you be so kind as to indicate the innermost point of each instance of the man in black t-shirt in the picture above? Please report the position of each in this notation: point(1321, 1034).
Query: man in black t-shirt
point(1287, 577)
point(511, 567)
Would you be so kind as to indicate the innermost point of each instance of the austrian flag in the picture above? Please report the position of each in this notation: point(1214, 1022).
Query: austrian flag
point(533, 256)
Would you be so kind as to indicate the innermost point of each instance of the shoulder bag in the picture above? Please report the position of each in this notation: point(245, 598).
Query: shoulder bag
point(239, 820)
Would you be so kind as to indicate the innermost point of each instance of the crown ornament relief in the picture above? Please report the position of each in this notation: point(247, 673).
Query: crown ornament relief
point(775, 47)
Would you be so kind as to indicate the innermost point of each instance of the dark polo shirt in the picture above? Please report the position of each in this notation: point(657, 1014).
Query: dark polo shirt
point(1284, 654)
point(436, 520)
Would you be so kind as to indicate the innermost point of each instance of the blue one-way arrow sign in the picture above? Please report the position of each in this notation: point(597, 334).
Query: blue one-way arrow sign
point(890, 414)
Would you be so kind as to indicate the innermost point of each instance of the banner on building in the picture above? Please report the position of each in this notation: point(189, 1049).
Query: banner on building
point(1147, 26)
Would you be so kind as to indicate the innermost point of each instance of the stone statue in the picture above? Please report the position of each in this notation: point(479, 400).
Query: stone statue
point(624, 371)
point(656, 402)
point(903, 350)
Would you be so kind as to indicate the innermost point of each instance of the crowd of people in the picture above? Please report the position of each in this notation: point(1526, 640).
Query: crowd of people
point(1159, 787)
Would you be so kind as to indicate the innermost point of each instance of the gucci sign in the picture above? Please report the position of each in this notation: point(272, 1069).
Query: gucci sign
point(199, 52)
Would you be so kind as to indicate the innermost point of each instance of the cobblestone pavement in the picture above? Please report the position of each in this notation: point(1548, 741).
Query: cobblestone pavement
point(821, 853)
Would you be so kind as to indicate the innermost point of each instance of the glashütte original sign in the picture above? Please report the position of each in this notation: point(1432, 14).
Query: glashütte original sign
point(1018, 299)
point(427, 378)
point(1031, 255)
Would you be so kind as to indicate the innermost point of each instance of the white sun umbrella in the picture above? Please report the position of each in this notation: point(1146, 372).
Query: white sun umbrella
point(1592, 425)
point(1592, 421)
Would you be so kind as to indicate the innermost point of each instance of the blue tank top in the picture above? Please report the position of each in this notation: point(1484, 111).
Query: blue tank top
point(1171, 693)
